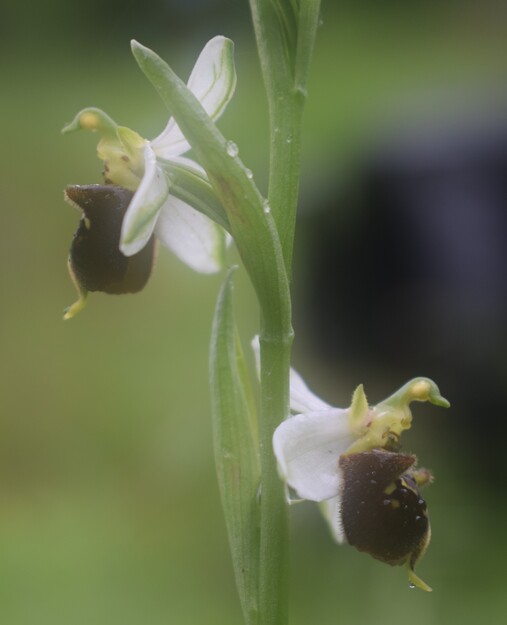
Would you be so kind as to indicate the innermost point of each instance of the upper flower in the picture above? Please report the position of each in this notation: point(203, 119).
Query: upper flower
point(141, 166)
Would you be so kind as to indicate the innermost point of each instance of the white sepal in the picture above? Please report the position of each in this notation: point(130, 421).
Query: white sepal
point(301, 397)
point(191, 236)
point(212, 81)
point(307, 448)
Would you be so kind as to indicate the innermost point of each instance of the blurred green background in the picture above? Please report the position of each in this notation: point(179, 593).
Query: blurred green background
point(109, 511)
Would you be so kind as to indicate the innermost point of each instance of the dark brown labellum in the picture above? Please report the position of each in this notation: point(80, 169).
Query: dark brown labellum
point(382, 511)
point(95, 259)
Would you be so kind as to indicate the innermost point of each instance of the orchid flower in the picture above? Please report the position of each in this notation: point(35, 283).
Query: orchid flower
point(322, 453)
point(142, 167)
point(341, 456)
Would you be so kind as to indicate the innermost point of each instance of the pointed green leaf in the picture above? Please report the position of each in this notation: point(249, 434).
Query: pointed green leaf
point(236, 450)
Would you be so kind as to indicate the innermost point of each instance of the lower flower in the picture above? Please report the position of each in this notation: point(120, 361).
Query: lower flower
point(349, 461)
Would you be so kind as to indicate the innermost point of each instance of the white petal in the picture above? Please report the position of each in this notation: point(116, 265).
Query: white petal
point(195, 239)
point(142, 213)
point(331, 509)
point(212, 81)
point(307, 447)
point(301, 397)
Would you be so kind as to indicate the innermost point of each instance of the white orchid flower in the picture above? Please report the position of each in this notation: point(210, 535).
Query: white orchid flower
point(137, 164)
point(320, 447)
point(307, 445)
point(340, 458)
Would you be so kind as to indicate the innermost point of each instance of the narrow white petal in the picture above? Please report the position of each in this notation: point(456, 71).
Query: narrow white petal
point(331, 509)
point(212, 81)
point(307, 447)
point(195, 239)
point(301, 397)
point(142, 213)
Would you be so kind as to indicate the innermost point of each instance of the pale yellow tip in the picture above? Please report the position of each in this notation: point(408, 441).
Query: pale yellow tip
point(421, 390)
point(89, 121)
point(76, 307)
point(417, 582)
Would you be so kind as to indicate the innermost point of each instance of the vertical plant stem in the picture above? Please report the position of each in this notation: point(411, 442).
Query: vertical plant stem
point(273, 574)
point(285, 31)
point(284, 170)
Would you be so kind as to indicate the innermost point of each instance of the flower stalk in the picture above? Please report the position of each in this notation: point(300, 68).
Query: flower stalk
point(285, 33)
point(273, 574)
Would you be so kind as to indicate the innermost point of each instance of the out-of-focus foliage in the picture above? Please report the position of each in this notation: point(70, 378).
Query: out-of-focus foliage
point(109, 510)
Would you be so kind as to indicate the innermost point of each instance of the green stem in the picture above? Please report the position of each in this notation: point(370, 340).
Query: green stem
point(284, 170)
point(273, 574)
point(285, 32)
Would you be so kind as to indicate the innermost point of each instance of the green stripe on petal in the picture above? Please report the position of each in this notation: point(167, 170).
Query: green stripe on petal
point(143, 212)
point(212, 81)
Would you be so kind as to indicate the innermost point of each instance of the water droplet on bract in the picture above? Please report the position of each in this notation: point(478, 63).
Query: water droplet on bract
point(249, 174)
point(266, 207)
point(411, 585)
point(288, 140)
point(232, 148)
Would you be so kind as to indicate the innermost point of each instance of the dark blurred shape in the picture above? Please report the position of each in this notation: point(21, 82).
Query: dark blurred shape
point(95, 260)
point(410, 270)
point(102, 25)
point(382, 511)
